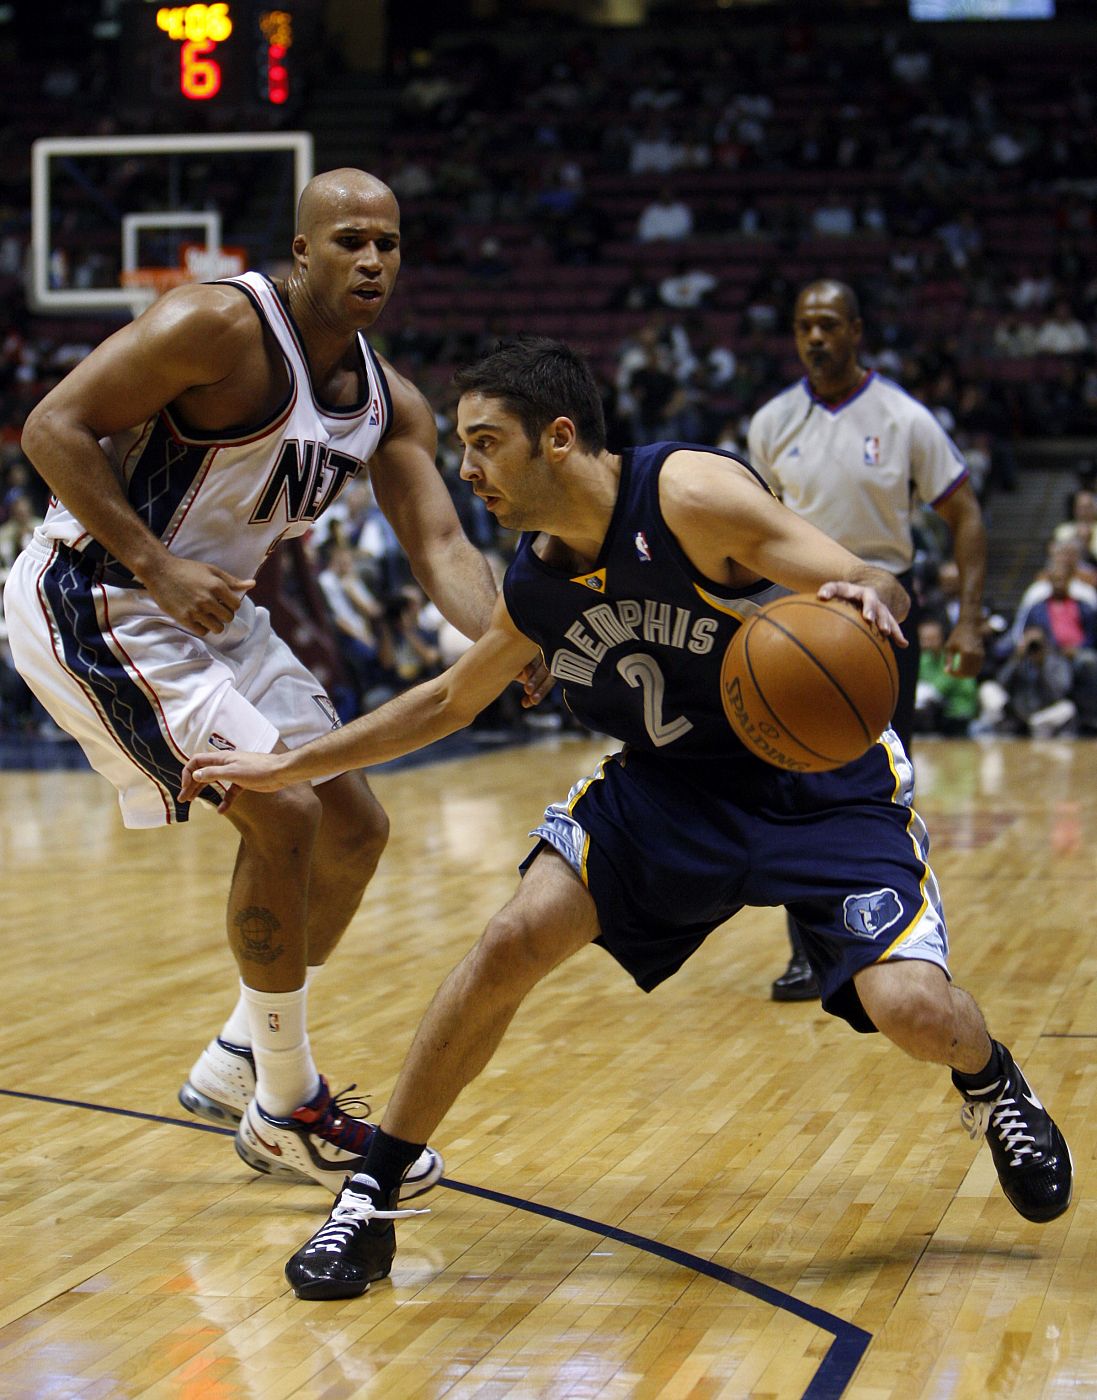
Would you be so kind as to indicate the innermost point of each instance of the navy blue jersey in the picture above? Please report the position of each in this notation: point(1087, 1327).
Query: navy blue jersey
point(637, 641)
point(685, 826)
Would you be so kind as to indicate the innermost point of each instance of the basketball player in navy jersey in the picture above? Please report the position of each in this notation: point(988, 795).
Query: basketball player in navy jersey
point(179, 452)
point(632, 574)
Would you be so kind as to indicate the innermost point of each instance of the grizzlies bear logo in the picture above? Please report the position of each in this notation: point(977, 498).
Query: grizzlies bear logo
point(868, 915)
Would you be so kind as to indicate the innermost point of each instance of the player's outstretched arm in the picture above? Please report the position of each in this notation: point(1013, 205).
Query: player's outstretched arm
point(410, 721)
point(719, 512)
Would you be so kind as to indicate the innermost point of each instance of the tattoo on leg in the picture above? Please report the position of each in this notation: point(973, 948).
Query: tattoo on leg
point(255, 928)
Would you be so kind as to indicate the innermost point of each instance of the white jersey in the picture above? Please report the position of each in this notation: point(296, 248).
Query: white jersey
point(857, 469)
point(228, 499)
point(138, 691)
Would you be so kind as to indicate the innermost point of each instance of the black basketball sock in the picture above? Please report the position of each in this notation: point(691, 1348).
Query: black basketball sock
point(387, 1159)
point(991, 1072)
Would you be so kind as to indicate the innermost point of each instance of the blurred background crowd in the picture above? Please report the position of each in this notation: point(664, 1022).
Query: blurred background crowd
point(657, 193)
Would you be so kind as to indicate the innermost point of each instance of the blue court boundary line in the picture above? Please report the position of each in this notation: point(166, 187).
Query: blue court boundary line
point(835, 1370)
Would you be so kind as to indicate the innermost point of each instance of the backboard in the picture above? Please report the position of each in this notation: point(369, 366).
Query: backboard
point(115, 220)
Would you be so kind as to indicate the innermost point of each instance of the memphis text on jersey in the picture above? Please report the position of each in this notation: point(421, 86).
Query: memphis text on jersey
point(628, 620)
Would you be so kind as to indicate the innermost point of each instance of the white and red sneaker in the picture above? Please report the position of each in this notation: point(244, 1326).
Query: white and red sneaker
point(221, 1083)
point(321, 1142)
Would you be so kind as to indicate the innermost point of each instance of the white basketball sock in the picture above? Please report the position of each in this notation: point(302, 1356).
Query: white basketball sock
point(285, 1073)
point(237, 1029)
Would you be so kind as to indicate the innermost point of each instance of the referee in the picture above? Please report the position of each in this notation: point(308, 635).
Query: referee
point(855, 454)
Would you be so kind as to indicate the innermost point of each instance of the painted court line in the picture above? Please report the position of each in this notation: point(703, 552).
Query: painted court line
point(835, 1370)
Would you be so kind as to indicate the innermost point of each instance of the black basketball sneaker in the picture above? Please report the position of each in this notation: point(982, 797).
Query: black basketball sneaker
point(1030, 1153)
point(353, 1248)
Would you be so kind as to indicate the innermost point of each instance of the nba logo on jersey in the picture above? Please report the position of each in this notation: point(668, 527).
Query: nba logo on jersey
point(872, 452)
point(870, 914)
point(218, 741)
point(643, 551)
point(374, 413)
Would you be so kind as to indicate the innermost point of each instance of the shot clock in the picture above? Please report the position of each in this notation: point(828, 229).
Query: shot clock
point(232, 54)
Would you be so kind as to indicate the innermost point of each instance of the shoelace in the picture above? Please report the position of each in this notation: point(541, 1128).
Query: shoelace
point(333, 1122)
point(1007, 1120)
point(347, 1214)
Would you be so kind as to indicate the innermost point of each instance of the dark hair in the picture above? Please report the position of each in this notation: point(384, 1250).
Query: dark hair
point(538, 380)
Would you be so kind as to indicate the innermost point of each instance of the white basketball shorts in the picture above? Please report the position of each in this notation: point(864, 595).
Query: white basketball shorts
point(140, 694)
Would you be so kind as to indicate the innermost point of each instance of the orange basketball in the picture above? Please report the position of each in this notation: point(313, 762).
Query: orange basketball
point(808, 685)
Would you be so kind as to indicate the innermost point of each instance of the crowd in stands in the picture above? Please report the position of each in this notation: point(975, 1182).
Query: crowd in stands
point(658, 199)
point(689, 188)
point(1040, 674)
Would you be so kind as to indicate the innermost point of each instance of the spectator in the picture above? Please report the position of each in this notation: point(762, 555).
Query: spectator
point(1082, 582)
point(1062, 333)
point(945, 703)
point(1032, 291)
point(411, 179)
point(962, 239)
point(406, 652)
point(665, 218)
point(488, 263)
point(637, 293)
point(687, 287)
point(1069, 626)
point(16, 532)
point(1014, 338)
point(834, 218)
point(355, 613)
point(655, 151)
point(1082, 526)
point(1037, 681)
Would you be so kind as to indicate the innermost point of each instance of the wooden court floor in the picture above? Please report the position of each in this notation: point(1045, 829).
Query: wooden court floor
point(693, 1194)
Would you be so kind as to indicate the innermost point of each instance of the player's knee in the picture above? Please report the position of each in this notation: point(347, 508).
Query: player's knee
point(356, 835)
point(920, 1021)
point(281, 823)
point(514, 953)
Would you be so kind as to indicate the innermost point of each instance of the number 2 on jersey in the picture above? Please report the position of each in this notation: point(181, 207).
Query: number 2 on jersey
point(640, 669)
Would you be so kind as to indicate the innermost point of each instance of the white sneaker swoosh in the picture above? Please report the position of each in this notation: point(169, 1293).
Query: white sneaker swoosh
point(1034, 1101)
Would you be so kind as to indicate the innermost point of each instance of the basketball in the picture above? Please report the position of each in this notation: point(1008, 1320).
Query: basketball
point(808, 685)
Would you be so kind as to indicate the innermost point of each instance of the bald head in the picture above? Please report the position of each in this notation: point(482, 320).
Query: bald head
point(337, 194)
point(346, 250)
point(839, 294)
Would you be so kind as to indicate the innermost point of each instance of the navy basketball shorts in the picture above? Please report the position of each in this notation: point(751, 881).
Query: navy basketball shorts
point(669, 850)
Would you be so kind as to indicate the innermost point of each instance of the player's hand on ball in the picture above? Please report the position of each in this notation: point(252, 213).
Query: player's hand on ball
point(872, 607)
point(809, 681)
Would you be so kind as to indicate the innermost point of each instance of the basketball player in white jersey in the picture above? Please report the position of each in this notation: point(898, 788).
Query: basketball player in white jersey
point(853, 453)
point(179, 453)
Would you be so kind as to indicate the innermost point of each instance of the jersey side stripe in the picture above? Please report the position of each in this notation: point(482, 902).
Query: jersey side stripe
point(124, 707)
point(165, 477)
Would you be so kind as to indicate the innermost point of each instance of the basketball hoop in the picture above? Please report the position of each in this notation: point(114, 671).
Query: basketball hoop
point(145, 285)
point(80, 173)
point(208, 264)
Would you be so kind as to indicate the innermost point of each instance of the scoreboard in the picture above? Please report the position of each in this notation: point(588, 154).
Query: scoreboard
point(230, 54)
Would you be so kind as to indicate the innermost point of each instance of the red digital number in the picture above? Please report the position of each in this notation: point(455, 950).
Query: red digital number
point(199, 76)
